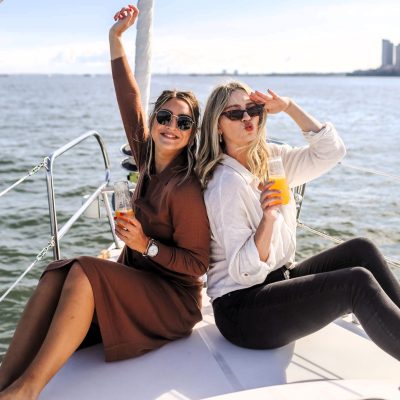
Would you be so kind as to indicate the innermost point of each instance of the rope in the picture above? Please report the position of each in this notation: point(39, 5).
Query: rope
point(39, 257)
point(301, 225)
point(370, 171)
point(319, 233)
point(30, 173)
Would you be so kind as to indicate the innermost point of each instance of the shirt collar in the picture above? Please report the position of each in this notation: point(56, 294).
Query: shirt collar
point(240, 169)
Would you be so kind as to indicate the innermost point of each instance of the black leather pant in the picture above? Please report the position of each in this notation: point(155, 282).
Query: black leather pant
point(351, 277)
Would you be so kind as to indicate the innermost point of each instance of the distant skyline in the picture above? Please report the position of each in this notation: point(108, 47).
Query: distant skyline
point(260, 36)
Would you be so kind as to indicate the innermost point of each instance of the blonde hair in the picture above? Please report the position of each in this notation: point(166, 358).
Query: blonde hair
point(191, 100)
point(211, 150)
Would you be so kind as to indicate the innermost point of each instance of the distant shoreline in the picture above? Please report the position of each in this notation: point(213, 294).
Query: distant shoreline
point(375, 72)
point(366, 73)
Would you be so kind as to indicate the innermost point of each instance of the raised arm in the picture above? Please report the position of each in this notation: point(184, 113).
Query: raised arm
point(325, 147)
point(275, 104)
point(126, 88)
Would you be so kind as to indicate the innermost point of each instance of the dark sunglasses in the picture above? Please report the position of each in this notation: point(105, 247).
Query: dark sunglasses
point(237, 115)
point(183, 122)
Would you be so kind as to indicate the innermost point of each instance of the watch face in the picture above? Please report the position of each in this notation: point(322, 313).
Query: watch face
point(153, 250)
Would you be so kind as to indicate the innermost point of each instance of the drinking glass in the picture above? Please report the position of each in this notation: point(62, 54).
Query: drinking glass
point(276, 172)
point(122, 198)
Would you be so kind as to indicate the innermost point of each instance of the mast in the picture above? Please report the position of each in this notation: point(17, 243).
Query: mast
point(143, 50)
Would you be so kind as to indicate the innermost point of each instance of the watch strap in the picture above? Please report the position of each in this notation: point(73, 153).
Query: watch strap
point(151, 249)
point(145, 253)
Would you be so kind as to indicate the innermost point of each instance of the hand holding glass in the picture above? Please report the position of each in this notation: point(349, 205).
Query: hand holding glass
point(276, 173)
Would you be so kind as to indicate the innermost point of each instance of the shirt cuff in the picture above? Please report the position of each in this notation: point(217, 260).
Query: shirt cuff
point(253, 270)
point(326, 128)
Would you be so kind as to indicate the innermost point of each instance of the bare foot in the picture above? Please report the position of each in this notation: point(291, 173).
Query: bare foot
point(18, 392)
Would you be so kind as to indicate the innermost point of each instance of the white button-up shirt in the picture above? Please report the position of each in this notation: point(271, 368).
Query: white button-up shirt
point(233, 205)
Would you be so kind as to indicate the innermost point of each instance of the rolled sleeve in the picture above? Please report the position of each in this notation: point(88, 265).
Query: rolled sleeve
point(303, 164)
point(247, 268)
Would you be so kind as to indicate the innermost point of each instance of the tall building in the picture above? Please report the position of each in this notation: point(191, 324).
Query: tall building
point(387, 53)
point(398, 56)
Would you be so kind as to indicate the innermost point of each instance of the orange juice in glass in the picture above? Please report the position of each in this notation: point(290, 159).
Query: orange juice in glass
point(276, 173)
point(123, 202)
point(124, 213)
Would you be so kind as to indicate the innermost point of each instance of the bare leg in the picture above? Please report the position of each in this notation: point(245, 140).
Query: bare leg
point(32, 327)
point(70, 324)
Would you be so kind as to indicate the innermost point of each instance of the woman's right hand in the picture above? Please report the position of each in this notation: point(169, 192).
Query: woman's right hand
point(125, 18)
point(270, 201)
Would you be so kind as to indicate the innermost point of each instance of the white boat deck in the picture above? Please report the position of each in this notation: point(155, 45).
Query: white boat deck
point(337, 362)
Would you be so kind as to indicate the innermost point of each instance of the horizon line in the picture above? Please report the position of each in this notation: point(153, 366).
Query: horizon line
point(88, 74)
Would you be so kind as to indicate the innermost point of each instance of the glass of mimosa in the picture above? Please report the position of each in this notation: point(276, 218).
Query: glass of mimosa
point(122, 198)
point(276, 173)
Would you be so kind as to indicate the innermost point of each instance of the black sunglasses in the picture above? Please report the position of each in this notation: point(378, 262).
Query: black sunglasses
point(237, 115)
point(183, 122)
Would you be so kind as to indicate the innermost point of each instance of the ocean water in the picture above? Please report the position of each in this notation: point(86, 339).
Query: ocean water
point(38, 114)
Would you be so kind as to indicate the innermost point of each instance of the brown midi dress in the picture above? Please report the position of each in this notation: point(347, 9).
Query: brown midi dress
point(142, 303)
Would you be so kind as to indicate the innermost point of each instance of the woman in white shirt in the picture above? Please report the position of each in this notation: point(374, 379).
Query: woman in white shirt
point(261, 299)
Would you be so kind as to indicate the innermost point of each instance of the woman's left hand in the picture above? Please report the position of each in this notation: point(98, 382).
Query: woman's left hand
point(273, 103)
point(130, 231)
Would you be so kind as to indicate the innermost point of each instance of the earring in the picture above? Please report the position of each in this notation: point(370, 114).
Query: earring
point(220, 137)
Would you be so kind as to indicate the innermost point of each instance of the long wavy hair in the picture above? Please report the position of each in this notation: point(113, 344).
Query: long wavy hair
point(211, 150)
point(191, 100)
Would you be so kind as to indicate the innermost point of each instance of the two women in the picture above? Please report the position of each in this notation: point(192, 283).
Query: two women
point(261, 299)
point(152, 295)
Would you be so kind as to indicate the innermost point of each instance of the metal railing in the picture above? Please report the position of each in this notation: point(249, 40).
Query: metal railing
point(56, 233)
point(101, 190)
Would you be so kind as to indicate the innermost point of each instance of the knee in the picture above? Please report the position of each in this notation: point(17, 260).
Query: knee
point(363, 245)
point(363, 278)
point(52, 279)
point(76, 277)
point(364, 250)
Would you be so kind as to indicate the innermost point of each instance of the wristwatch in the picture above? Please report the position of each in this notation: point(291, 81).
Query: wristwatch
point(152, 249)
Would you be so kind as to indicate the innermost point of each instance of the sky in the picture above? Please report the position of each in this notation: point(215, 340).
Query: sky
point(201, 36)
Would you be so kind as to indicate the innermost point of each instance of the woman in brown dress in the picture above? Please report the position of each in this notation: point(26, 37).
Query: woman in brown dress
point(152, 295)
